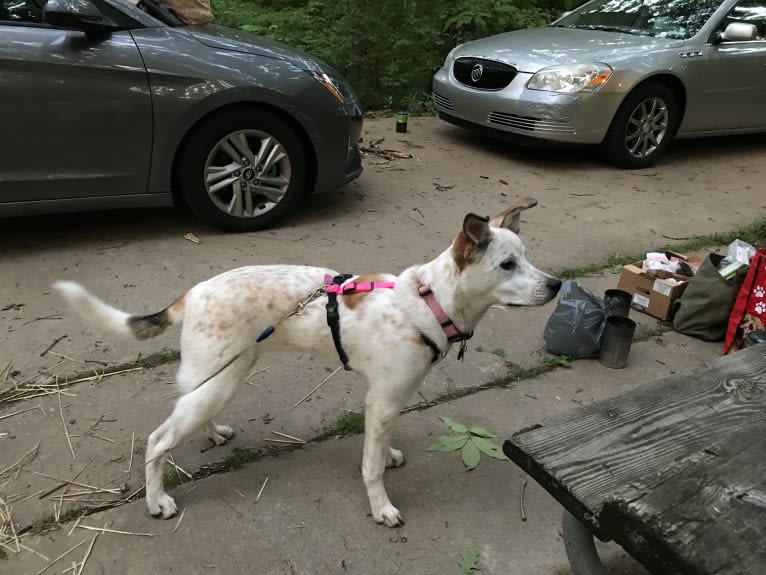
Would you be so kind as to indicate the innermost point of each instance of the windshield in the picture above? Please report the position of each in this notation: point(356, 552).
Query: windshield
point(679, 19)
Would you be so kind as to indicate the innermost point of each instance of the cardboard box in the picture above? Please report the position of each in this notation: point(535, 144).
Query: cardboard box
point(653, 294)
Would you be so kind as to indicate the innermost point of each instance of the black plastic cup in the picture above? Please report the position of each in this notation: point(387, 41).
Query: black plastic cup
point(615, 344)
point(401, 122)
point(617, 302)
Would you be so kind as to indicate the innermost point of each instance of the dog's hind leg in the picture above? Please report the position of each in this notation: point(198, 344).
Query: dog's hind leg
point(219, 434)
point(383, 403)
point(395, 458)
point(192, 411)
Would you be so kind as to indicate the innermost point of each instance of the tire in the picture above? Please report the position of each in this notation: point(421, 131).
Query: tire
point(643, 127)
point(242, 170)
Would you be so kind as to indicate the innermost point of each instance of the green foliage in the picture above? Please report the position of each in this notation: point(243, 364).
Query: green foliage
point(388, 49)
point(469, 562)
point(471, 443)
point(350, 422)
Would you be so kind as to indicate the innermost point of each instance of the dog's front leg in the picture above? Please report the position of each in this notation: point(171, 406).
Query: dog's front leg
point(377, 434)
point(383, 403)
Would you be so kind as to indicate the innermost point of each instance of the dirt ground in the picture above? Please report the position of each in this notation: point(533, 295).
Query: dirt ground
point(312, 518)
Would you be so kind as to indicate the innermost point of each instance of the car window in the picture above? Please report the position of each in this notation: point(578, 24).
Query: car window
point(663, 18)
point(21, 11)
point(748, 12)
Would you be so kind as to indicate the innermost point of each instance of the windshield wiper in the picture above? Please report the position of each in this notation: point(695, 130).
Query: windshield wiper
point(619, 29)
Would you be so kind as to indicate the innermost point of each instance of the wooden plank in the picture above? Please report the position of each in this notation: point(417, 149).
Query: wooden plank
point(583, 456)
point(709, 518)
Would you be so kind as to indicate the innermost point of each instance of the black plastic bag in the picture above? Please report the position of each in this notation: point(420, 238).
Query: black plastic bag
point(577, 324)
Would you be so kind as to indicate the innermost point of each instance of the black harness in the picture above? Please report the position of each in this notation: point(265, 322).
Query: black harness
point(333, 319)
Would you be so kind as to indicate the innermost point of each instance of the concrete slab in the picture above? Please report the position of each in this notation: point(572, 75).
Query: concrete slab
point(313, 518)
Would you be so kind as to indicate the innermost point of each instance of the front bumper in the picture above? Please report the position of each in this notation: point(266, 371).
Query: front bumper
point(338, 160)
point(570, 118)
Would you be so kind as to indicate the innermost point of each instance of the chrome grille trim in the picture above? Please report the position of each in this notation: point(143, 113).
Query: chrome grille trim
point(442, 101)
point(530, 124)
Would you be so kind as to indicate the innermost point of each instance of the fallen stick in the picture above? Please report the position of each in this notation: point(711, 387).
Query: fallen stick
point(4, 471)
point(96, 489)
point(289, 436)
point(260, 491)
point(51, 346)
point(290, 441)
point(523, 514)
point(90, 548)
point(64, 554)
point(310, 393)
point(116, 531)
point(10, 522)
point(66, 431)
point(178, 523)
point(51, 491)
point(7, 415)
point(52, 316)
point(132, 442)
point(101, 375)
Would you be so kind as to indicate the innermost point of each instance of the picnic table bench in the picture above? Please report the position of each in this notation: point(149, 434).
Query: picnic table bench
point(674, 470)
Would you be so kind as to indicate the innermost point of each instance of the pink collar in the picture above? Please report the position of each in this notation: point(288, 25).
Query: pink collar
point(447, 325)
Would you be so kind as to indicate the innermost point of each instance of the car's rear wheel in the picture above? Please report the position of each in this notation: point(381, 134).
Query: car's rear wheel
point(242, 170)
point(642, 127)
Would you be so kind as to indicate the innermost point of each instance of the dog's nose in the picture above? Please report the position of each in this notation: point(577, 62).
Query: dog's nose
point(553, 284)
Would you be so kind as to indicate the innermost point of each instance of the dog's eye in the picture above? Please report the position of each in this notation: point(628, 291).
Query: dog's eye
point(508, 265)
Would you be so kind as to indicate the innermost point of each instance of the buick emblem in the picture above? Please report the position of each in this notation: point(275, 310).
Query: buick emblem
point(248, 174)
point(476, 72)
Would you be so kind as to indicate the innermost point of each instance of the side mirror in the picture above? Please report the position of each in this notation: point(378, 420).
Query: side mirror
point(78, 15)
point(739, 32)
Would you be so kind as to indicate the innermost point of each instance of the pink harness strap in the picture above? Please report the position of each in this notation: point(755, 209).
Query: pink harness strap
point(354, 287)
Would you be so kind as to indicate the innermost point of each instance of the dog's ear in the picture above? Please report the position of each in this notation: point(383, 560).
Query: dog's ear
point(475, 236)
point(476, 228)
point(510, 218)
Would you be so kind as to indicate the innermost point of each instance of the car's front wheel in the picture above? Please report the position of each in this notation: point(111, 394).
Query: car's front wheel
point(642, 127)
point(242, 170)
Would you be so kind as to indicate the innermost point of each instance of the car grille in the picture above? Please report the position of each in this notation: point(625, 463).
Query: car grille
point(495, 75)
point(531, 124)
point(442, 101)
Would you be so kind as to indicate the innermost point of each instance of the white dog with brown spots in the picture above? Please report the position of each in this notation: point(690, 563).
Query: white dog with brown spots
point(225, 315)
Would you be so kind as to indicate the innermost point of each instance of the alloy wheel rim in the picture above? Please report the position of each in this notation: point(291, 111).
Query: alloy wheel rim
point(647, 127)
point(247, 173)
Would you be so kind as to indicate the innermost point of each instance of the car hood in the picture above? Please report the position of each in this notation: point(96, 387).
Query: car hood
point(535, 48)
point(223, 38)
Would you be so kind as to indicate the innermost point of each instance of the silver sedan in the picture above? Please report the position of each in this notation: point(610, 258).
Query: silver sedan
point(627, 75)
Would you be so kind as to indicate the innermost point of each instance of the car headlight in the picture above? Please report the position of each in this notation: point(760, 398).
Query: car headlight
point(338, 87)
point(571, 78)
point(450, 56)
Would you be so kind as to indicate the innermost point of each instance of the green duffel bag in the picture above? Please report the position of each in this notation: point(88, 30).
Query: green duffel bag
point(703, 309)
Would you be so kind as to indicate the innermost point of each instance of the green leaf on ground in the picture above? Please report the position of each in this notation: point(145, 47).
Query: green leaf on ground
point(448, 443)
point(481, 432)
point(469, 562)
point(454, 425)
point(491, 449)
point(471, 455)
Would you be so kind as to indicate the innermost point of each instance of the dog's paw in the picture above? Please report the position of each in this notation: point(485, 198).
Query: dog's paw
point(395, 458)
point(389, 516)
point(220, 434)
point(163, 505)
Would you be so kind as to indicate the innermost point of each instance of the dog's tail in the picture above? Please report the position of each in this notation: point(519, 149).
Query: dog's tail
point(109, 318)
